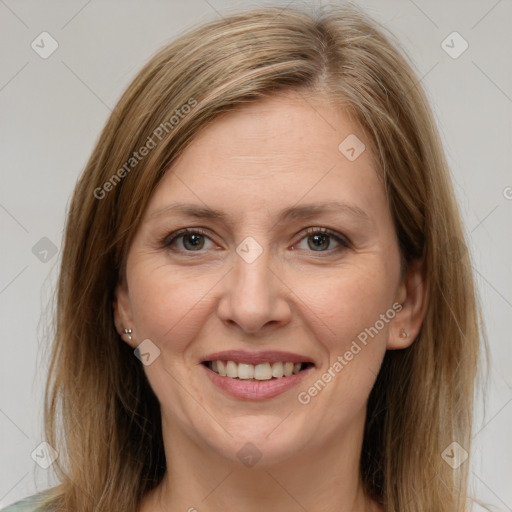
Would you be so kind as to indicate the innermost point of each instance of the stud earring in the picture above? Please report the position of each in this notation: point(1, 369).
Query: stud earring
point(403, 333)
point(128, 333)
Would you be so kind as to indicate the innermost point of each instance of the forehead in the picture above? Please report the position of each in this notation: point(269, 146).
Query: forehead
point(292, 130)
point(283, 149)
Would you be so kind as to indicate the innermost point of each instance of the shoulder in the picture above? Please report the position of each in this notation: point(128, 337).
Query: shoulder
point(29, 504)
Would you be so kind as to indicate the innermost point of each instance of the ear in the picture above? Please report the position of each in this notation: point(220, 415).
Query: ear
point(412, 294)
point(123, 317)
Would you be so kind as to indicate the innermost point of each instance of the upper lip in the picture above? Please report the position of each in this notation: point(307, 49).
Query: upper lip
point(264, 356)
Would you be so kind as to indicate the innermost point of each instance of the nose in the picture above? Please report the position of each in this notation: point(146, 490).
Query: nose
point(253, 297)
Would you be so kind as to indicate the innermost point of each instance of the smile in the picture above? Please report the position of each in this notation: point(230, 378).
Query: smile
point(261, 372)
point(261, 375)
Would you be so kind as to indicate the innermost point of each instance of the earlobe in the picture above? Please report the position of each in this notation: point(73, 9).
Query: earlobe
point(413, 296)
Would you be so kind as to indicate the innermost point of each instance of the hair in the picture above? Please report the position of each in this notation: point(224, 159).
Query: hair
point(100, 411)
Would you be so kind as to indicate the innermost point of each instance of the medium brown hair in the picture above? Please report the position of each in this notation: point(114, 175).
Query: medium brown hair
point(100, 412)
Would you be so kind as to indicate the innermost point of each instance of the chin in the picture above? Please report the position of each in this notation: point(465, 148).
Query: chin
point(262, 440)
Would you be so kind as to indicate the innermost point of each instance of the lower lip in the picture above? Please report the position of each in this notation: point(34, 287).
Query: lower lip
point(255, 389)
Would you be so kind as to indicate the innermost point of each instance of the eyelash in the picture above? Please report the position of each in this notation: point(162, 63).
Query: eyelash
point(167, 241)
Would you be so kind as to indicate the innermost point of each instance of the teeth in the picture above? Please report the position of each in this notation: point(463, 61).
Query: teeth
point(262, 371)
point(231, 369)
point(288, 369)
point(245, 371)
point(277, 370)
point(221, 368)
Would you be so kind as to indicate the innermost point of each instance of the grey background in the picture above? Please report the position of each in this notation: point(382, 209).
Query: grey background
point(52, 111)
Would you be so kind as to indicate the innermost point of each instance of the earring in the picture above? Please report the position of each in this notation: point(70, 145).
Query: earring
point(403, 334)
point(128, 333)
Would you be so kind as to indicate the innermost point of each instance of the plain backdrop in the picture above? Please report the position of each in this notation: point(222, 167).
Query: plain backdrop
point(52, 111)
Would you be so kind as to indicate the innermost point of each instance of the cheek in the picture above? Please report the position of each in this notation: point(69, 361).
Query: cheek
point(344, 302)
point(167, 303)
point(344, 310)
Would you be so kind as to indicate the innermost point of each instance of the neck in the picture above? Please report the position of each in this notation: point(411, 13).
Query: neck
point(318, 478)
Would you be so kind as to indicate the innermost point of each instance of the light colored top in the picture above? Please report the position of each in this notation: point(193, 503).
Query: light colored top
point(29, 504)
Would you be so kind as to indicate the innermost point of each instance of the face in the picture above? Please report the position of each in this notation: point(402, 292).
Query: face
point(319, 287)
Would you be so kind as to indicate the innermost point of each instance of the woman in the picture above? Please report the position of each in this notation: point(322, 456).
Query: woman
point(265, 301)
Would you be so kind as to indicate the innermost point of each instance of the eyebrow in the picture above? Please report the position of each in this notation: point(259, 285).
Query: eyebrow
point(293, 212)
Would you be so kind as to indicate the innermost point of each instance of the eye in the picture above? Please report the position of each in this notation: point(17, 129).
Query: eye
point(192, 240)
point(319, 240)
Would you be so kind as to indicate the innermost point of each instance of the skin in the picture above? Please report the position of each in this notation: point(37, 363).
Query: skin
point(253, 162)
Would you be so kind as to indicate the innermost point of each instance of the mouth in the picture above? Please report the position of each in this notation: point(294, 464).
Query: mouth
point(256, 375)
point(260, 372)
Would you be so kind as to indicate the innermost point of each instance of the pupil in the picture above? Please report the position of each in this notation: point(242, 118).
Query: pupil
point(195, 240)
point(320, 238)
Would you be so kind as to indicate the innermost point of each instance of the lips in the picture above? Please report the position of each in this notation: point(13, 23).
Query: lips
point(256, 375)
